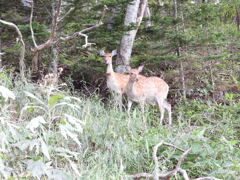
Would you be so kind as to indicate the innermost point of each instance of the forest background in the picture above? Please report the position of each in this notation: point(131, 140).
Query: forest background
point(58, 119)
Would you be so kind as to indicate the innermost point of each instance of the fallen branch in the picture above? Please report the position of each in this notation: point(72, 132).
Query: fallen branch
point(207, 178)
point(171, 145)
point(22, 53)
point(157, 174)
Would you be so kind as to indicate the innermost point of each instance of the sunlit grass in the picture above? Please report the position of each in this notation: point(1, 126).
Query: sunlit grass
point(85, 138)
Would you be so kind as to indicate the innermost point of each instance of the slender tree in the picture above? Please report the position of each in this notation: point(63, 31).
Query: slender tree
point(134, 14)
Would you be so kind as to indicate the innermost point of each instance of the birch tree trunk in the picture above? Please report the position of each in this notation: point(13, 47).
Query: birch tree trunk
point(134, 15)
point(53, 64)
point(0, 48)
point(147, 15)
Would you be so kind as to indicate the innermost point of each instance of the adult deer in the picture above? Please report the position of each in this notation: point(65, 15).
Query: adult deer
point(150, 90)
point(116, 82)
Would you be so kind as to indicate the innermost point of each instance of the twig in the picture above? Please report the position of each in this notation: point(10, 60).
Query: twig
point(155, 159)
point(31, 28)
point(76, 34)
point(86, 40)
point(171, 145)
point(184, 173)
point(171, 173)
point(67, 13)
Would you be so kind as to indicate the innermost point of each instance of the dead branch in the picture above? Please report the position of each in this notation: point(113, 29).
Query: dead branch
point(76, 34)
point(22, 53)
point(141, 175)
point(51, 40)
point(207, 178)
point(53, 30)
point(173, 172)
point(157, 174)
point(31, 29)
point(183, 173)
point(155, 159)
point(67, 13)
point(171, 145)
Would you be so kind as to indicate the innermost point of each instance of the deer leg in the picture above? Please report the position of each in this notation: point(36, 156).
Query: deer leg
point(119, 99)
point(129, 106)
point(169, 109)
point(161, 108)
point(143, 114)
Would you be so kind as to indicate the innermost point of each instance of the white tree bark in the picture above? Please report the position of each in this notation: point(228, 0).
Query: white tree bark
point(147, 14)
point(134, 15)
point(0, 48)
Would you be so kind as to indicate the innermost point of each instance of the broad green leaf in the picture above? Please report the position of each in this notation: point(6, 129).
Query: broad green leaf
point(55, 98)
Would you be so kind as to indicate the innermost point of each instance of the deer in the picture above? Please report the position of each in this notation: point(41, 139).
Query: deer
point(116, 82)
point(150, 90)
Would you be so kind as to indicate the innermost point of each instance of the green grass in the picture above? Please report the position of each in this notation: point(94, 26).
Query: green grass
point(48, 133)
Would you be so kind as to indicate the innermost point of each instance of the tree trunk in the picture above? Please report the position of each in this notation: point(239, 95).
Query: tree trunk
point(147, 15)
point(53, 65)
point(134, 15)
point(0, 48)
point(34, 65)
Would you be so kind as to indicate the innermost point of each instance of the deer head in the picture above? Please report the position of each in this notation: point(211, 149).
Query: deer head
point(134, 73)
point(107, 57)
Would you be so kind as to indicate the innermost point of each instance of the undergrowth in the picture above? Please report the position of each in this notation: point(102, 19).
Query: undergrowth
point(48, 133)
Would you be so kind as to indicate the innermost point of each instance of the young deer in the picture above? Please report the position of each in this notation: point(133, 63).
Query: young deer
point(116, 82)
point(150, 90)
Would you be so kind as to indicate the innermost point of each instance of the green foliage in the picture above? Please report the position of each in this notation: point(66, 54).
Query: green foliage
point(60, 136)
point(46, 133)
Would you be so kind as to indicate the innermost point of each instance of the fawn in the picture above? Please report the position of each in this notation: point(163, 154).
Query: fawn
point(150, 90)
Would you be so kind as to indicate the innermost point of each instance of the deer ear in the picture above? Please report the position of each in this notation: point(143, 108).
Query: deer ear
point(101, 52)
point(114, 52)
point(140, 68)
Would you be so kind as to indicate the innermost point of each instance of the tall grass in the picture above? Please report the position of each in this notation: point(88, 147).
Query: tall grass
point(46, 133)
